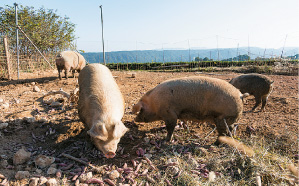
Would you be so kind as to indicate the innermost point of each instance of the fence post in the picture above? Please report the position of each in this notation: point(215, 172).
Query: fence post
point(7, 57)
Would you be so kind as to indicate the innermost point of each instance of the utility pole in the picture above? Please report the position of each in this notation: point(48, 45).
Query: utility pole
point(102, 35)
point(217, 48)
point(163, 54)
point(136, 53)
point(248, 49)
point(189, 51)
point(17, 38)
point(283, 46)
point(264, 54)
point(238, 52)
point(107, 52)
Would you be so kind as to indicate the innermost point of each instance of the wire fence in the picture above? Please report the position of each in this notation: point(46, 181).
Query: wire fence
point(265, 66)
point(32, 62)
point(27, 63)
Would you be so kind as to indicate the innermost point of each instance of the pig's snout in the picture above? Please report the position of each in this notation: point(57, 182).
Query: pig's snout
point(110, 155)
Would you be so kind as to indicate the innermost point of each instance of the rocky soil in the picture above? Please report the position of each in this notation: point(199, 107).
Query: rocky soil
point(36, 137)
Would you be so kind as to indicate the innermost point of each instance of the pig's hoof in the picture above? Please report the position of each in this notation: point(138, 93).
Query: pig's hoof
point(217, 142)
point(166, 142)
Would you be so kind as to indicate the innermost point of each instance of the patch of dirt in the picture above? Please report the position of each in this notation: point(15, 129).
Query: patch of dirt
point(62, 132)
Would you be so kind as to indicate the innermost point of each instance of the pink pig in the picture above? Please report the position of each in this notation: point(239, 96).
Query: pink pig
point(101, 107)
point(191, 98)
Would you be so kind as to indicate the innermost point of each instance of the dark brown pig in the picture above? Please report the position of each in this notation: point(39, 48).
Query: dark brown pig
point(257, 85)
point(191, 98)
point(69, 61)
point(101, 107)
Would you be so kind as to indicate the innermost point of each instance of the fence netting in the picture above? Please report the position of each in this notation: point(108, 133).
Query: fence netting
point(32, 61)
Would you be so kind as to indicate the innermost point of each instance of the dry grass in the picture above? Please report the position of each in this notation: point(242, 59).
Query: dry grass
point(256, 163)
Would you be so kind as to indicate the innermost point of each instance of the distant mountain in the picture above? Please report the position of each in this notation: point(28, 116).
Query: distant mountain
point(142, 56)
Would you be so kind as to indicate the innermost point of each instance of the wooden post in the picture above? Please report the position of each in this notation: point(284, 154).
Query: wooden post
point(7, 57)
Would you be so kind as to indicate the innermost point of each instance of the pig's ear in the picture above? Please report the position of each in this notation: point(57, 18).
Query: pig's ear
point(119, 130)
point(136, 108)
point(98, 131)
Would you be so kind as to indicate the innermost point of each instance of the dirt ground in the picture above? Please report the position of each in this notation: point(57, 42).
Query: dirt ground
point(61, 131)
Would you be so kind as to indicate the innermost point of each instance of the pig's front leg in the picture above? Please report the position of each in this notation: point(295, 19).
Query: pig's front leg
point(170, 118)
point(170, 125)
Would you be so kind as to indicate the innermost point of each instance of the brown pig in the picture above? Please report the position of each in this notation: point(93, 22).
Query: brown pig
point(257, 85)
point(101, 107)
point(191, 98)
point(69, 60)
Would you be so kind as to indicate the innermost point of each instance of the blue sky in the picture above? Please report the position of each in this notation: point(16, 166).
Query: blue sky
point(157, 24)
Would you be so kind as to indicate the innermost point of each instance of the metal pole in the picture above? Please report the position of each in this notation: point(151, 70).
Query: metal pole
point(103, 35)
point(283, 46)
point(189, 51)
point(163, 54)
point(238, 53)
point(217, 48)
point(17, 38)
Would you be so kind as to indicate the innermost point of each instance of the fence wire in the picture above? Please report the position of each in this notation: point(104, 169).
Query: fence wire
point(30, 62)
point(33, 61)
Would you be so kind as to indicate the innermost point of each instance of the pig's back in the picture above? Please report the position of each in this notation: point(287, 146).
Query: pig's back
point(99, 95)
point(199, 96)
point(253, 84)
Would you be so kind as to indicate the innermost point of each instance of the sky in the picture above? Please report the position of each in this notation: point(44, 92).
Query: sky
point(177, 24)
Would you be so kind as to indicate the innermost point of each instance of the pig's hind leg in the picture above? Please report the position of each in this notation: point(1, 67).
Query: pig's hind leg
point(73, 72)
point(258, 100)
point(222, 129)
point(264, 102)
point(66, 74)
point(59, 73)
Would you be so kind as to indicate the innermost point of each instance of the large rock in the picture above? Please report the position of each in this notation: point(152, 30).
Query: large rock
point(21, 156)
point(33, 181)
point(3, 125)
point(51, 171)
point(3, 163)
point(114, 174)
point(36, 89)
point(51, 182)
point(43, 161)
point(29, 119)
point(42, 180)
point(22, 174)
point(4, 105)
point(85, 177)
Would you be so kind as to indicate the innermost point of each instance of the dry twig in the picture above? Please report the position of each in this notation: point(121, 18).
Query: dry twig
point(65, 94)
point(94, 168)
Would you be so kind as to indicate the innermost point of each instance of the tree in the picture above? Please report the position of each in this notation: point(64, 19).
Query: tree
point(243, 57)
point(206, 59)
point(198, 59)
point(48, 31)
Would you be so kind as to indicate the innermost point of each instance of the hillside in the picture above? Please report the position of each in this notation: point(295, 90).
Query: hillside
point(142, 56)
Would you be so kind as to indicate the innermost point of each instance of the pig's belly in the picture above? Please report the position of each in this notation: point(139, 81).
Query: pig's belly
point(196, 115)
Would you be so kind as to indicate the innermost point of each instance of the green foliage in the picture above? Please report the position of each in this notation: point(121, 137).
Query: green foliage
point(188, 65)
point(206, 59)
point(47, 30)
point(244, 57)
point(198, 59)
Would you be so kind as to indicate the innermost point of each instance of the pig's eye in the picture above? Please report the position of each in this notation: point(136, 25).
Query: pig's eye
point(141, 110)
